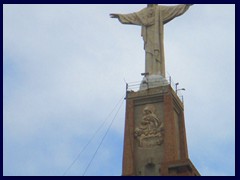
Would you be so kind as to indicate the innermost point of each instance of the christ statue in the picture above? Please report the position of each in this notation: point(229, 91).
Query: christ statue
point(152, 19)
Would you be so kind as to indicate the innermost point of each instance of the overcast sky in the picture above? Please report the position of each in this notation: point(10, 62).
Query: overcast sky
point(64, 72)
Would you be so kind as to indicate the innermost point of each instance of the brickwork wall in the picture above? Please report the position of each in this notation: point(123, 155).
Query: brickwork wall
point(172, 136)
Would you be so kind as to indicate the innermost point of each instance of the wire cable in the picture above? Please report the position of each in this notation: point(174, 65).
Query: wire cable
point(85, 147)
point(102, 139)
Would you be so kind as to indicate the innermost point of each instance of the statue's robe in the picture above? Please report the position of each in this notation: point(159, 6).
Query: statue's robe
point(152, 20)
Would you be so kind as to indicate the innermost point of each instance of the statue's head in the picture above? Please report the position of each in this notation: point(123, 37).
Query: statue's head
point(149, 109)
point(151, 5)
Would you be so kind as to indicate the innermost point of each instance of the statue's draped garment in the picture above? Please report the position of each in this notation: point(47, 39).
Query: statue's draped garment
point(152, 20)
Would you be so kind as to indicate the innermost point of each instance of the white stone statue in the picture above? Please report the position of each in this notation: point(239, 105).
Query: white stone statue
point(152, 19)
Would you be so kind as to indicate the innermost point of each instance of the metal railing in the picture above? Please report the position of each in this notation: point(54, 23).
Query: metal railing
point(135, 86)
point(178, 91)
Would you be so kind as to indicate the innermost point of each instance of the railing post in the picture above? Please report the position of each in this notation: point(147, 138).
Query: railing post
point(126, 90)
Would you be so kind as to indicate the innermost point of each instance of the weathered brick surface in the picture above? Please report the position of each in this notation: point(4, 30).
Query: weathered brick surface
point(170, 151)
point(128, 156)
point(175, 154)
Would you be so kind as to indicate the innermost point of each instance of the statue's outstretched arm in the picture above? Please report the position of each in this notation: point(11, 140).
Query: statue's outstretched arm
point(131, 18)
point(171, 12)
point(114, 15)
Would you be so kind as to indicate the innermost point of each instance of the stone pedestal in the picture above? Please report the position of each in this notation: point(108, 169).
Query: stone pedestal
point(153, 81)
point(155, 137)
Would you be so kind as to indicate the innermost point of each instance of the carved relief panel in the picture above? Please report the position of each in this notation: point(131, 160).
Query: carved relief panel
point(149, 136)
point(150, 131)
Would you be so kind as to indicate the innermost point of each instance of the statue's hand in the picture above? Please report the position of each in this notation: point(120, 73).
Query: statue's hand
point(114, 15)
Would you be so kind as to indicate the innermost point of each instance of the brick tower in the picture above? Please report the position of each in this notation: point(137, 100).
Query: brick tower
point(155, 138)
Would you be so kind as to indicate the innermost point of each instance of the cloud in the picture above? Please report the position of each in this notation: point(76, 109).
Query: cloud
point(64, 71)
